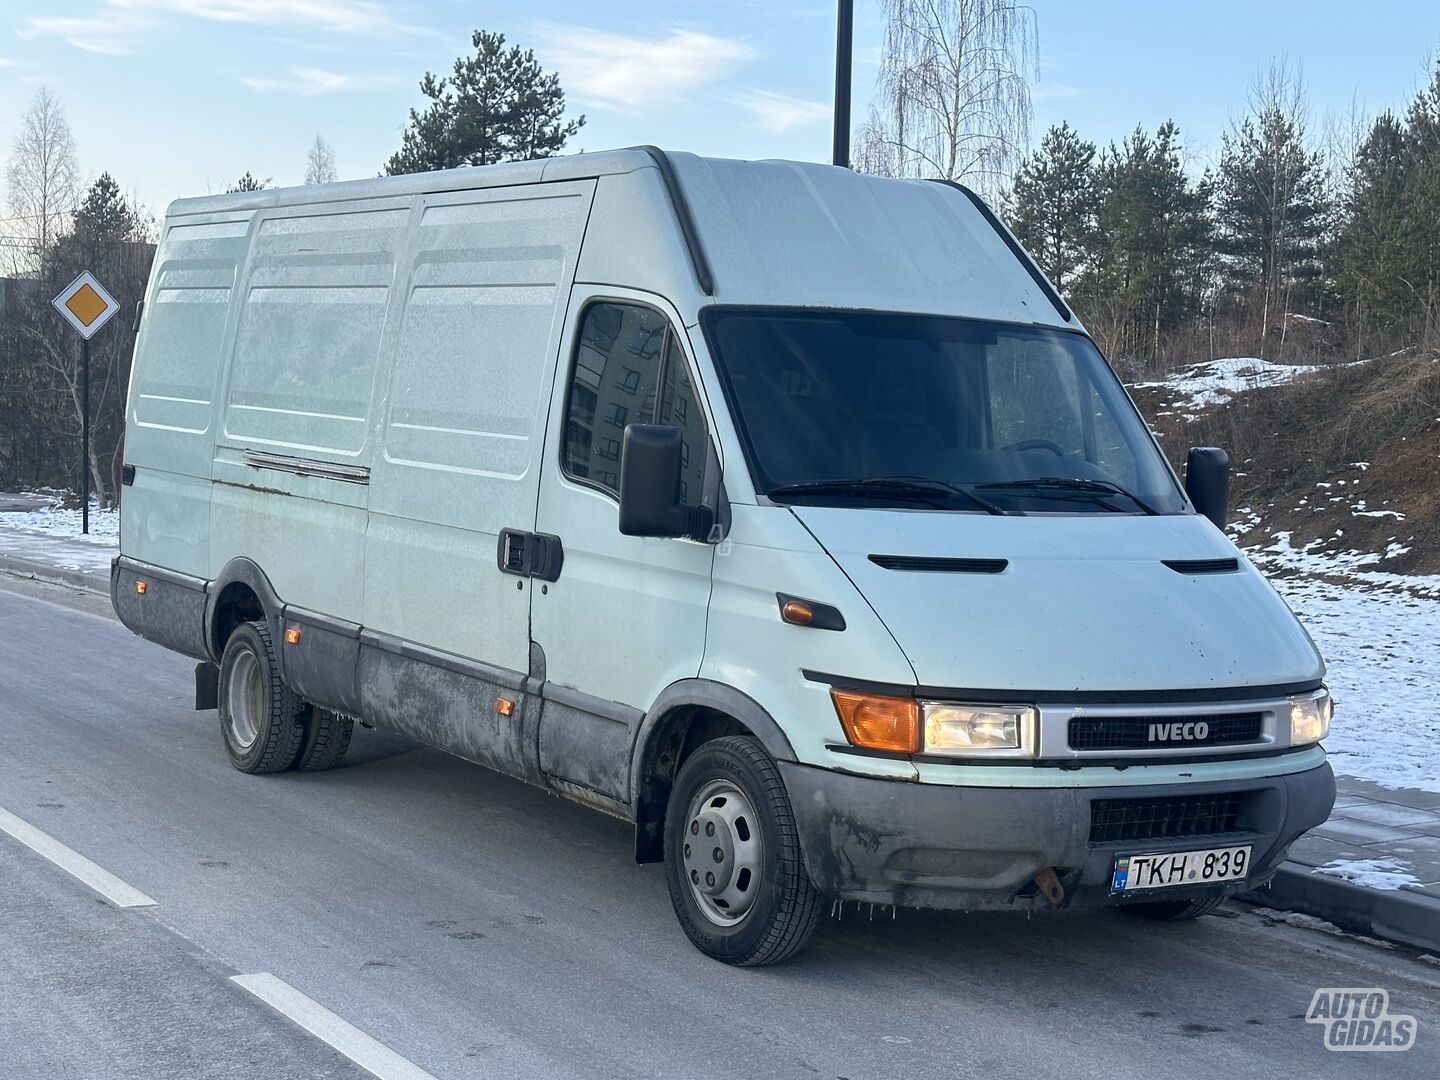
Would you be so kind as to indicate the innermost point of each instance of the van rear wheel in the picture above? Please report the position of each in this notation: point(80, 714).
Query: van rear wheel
point(327, 737)
point(732, 857)
point(261, 719)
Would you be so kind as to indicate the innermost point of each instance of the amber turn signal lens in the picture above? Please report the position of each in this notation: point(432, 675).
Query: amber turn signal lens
point(797, 612)
point(504, 706)
point(878, 721)
point(292, 636)
point(140, 588)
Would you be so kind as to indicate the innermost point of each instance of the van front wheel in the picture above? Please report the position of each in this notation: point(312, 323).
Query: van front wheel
point(261, 719)
point(732, 857)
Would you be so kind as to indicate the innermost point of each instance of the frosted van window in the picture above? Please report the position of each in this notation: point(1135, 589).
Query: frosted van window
point(304, 364)
point(612, 384)
point(466, 390)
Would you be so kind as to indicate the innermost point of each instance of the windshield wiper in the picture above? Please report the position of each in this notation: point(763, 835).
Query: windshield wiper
point(885, 487)
point(1071, 484)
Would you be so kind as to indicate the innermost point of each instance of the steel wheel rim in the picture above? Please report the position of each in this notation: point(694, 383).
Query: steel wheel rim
point(721, 853)
point(244, 700)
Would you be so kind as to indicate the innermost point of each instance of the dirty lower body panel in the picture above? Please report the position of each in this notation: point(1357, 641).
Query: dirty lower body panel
point(977, 848)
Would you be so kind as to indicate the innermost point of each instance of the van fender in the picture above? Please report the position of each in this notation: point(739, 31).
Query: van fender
point(658, 737)
point(245, 572)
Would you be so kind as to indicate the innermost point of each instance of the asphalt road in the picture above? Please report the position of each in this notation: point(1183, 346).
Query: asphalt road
point(481, 928)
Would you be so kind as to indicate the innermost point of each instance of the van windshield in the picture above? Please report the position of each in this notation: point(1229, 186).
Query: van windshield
point(876, 409)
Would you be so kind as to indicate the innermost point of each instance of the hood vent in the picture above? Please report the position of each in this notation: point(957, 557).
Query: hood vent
point(925, 564)
point(1202, 566)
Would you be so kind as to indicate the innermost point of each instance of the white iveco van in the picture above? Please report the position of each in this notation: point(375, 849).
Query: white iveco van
point(785, 512)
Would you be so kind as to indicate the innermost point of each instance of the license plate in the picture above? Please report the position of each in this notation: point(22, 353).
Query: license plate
point(1135, 872)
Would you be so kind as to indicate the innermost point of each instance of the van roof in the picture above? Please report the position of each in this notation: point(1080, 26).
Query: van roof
point(781, 233)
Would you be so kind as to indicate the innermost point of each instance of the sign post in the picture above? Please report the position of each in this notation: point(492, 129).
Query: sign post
point(87, 307)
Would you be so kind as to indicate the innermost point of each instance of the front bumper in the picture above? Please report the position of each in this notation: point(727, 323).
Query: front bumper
point(979, 848)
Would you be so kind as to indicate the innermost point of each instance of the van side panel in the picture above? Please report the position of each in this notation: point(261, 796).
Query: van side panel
point(292, 458)
point(170, 425)
point(462, 419)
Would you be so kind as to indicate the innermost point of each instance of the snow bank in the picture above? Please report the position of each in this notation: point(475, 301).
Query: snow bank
point(56, 520)
point(1386, 874)
point(1216, 381)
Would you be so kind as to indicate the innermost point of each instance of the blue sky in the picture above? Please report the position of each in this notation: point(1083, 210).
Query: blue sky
point(180, 97)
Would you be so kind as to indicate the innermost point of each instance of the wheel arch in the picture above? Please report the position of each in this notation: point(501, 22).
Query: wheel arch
point(687, 714)
point(240, 592)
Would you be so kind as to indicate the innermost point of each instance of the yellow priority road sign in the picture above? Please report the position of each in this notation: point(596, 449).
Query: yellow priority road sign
point(86, 305)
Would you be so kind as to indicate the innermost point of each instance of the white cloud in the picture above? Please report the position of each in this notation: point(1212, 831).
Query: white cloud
point(312, 81)
point(111, 36)
point(618, 71)
point(781, 112)
point(346, 15)
point(114, 28)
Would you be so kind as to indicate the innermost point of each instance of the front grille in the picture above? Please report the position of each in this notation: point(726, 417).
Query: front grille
point(1148, 732)
point(1114, 821)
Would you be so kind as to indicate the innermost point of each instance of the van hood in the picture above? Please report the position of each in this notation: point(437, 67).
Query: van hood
point(1083, 603)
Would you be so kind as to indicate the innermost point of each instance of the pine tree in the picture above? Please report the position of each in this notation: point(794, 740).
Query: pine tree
point(498, 105)
point(104, 216)
point(248, 182)
point(1052, 203)
point(1149, 259)
point(1370, 249)
point(1272, 211)
point(1421, 217)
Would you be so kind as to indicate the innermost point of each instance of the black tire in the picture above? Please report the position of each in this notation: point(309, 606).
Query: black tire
point(327, 737)
point(785, 905)
point(255, 702)
point(1175, 910)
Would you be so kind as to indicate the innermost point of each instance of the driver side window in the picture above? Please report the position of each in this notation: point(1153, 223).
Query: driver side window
point(623, 353)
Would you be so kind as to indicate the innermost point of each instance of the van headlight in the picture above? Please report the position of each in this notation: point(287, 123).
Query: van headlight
point(1310, 717)
point(980, 730)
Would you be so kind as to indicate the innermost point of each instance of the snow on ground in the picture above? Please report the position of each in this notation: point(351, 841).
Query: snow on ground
point(1385, 873)
point(56, 520)
point(1380, 637)
point(1216, 381)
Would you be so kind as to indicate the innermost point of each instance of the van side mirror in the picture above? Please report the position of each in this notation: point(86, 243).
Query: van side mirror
point(1207, 482)
point(650, 482)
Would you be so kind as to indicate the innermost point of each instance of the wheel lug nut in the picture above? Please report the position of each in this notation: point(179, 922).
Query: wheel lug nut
point(719, 855)
point(687, 851)
point(710, 880)
point(695, 877)
point(694, 827)
point(709, 828)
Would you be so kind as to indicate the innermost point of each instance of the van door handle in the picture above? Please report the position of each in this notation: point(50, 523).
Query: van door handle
point(530, 554)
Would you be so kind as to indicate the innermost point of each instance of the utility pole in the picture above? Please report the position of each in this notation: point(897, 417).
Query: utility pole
point(844, 50)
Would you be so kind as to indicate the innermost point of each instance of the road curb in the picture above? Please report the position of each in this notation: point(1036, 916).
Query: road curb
point(1399, 915)
point(54, 575)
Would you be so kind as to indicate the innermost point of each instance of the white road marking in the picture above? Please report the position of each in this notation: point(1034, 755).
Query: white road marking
point(98, 878)
point(370, 1054)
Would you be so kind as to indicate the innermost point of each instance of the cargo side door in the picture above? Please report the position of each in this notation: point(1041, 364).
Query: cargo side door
point(624, 616)
point(461, 429)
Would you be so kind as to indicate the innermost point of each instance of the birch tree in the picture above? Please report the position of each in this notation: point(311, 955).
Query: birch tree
point(953, 91)
point(42, 178)
point(320, 163)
